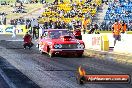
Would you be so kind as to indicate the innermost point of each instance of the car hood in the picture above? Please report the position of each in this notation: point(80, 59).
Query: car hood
point(61, 41)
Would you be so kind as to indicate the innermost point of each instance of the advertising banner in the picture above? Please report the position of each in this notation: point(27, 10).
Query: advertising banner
point(2, 27)
point(8, 29)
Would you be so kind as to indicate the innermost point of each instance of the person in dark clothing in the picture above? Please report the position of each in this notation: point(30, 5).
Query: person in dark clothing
point(34, 32)
point(96, 28)
point(91, 31)
point(55, 25)
point(59, 25)
point(45, 25)
point(50, 24)
point(56, 2)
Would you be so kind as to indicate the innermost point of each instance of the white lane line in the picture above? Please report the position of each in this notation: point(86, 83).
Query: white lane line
point(7, 80)
point(15, 40)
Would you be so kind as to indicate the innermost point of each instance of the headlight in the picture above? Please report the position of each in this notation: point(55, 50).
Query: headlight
point(80, 46)
point(57, 46)
point(60, 46)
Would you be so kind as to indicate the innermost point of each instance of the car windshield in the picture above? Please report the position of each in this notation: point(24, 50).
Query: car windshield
point(55, 34)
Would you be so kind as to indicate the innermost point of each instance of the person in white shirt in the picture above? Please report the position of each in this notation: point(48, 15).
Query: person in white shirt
point(14, 32)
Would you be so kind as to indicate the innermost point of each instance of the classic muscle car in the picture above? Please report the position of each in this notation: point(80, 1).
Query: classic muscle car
point(61, 42)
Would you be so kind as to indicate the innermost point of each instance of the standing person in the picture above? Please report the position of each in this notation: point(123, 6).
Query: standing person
point(96, 26)
point(34, 26)
point(116, 31)
point(84, 25)
point(92, 29)
point(14, 31)
point(34, 32)
point(124, 27)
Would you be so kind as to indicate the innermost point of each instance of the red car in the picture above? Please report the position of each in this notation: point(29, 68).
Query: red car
point(60, 42)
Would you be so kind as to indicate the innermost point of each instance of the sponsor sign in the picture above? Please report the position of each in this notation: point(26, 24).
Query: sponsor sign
point(92, 41)
point(113, 78)
point(1, 28)
point(8, 29)
point(96, 40)
point(82, 77)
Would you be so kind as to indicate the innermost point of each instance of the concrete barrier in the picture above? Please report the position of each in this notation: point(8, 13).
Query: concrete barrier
point(96, 41)
point(111, 38)
point(104, 41)
point(124, 46)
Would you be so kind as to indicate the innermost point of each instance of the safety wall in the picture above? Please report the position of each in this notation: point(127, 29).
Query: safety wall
point(125, 45)
point(8, 29)
point(104, 41)
point(111, 38)
point(96, 41)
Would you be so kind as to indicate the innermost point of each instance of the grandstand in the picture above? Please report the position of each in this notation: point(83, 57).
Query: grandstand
point(30, 9)
point(76, 10)
point(120, 10)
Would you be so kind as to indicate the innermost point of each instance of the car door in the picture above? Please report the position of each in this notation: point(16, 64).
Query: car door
point(42, 42)
point(45, 41)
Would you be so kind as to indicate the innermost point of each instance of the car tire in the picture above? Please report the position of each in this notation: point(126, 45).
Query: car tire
point(51, 54)
point(79, 55)
point(41, 52)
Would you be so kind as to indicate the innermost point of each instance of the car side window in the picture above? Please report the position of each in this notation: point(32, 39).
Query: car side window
point(45, 34)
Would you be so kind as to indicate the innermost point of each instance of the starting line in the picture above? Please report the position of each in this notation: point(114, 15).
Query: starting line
point(15, 40)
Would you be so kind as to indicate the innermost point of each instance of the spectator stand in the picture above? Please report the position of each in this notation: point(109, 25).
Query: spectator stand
point(120, 10)
point(65, 12)
point(19, 8)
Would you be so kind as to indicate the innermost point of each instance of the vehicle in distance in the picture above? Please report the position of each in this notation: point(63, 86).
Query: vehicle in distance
point(60, 42)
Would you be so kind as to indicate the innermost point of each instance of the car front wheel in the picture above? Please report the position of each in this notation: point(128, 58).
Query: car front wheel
point(79, 55)
point(51, 54)
point(41, 52)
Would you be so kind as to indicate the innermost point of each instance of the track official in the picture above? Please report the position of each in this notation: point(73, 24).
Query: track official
point(116, 31)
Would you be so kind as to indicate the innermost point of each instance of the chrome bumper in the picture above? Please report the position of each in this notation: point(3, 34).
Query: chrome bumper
point(66, 49)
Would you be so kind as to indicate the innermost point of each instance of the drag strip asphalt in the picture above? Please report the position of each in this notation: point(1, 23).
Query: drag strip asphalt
point(58, 72)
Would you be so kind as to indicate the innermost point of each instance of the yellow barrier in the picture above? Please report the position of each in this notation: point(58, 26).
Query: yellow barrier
point(104, 43)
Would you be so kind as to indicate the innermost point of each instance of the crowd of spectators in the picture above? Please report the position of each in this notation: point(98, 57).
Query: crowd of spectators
point(5, 2)
point(3, 18)
point(18, 8)
point(62, 25)
point(20, 21)
point(74, 10)
point(31, 1)
point(119, 9)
